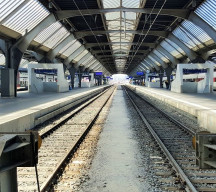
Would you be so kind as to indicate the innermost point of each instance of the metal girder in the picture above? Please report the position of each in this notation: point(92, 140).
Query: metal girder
point(119, 50)
point(169, 55)
point(81, 34)
point(189, 52)
point(119, 55)
point(64, 14)
point(194, 18)
point(53, 52)
point(153, 63)
point(159, 60)
point(89, 45)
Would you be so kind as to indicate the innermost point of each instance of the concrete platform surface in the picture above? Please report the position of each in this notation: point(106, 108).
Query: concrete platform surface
point(117, 163)
point(202, 106)
point(29, 109)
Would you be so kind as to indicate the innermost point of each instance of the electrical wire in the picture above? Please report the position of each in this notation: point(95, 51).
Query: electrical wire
point(149, 28)
point(90, 29)
point(96, 27)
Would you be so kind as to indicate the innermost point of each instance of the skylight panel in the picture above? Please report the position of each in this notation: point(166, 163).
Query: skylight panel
point(67, 46)
point(207, 12)
point(196, 31)
point(7, 7)
point(27, 17)
point(170, 48)
point(56, 37)
point(46, 33)
point(82, 54)
point(111, 4)
point(161, 56)
point(72, 48)
point(185, 37)
point(121, 21)
point(154, 60)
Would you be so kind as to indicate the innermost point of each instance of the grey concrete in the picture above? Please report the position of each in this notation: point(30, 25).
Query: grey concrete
point(28, 110)
point(117, 165)
point(201, 106)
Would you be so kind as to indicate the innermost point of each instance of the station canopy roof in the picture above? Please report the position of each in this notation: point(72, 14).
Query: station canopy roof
point(118, 36)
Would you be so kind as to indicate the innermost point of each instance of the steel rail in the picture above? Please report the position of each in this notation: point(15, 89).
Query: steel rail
point(175, 165)
point(193, 133)
point(71, 114)
point(73, 149)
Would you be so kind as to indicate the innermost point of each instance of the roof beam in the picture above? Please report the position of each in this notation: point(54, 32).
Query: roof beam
point(64, 14)
point(119, 55)
point(119, 50)
point(169, 55)
point(81, 34)
point(89, 45)
point(189, 52)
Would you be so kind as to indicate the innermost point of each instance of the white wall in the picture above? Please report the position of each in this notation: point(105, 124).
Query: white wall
point(35, 85)
point(205, 86)
point(189, 87)
point(154, 84)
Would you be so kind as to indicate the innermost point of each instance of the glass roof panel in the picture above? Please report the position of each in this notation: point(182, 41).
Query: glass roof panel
point(207, 12)
point(121, 21)
point(66, 47)
point(185, 37)
point(165, 59)
point(87, 60)
point(7, 7)
point(27, 17)
point(154, 60)
point(46, 33)
point(61, 34)
point(82, 54)
point(196, 31)
point(72, 48)
point(171, 47)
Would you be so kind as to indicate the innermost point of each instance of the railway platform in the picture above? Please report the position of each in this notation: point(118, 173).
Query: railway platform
point(117, 165)
point(201, 106)
point(28, 109)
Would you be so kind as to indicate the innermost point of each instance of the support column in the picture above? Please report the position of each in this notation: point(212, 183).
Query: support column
point(72, 71)
point(161, 73)
point(7, 82)
point(13, 57)
point(80, 76)
point(168, 71)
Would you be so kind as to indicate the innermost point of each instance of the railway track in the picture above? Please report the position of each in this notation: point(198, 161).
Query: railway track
point(61, 138)
point(175, 140)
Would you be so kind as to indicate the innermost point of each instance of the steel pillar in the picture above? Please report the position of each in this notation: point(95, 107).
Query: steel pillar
point(168, 71)
point(72, 71)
